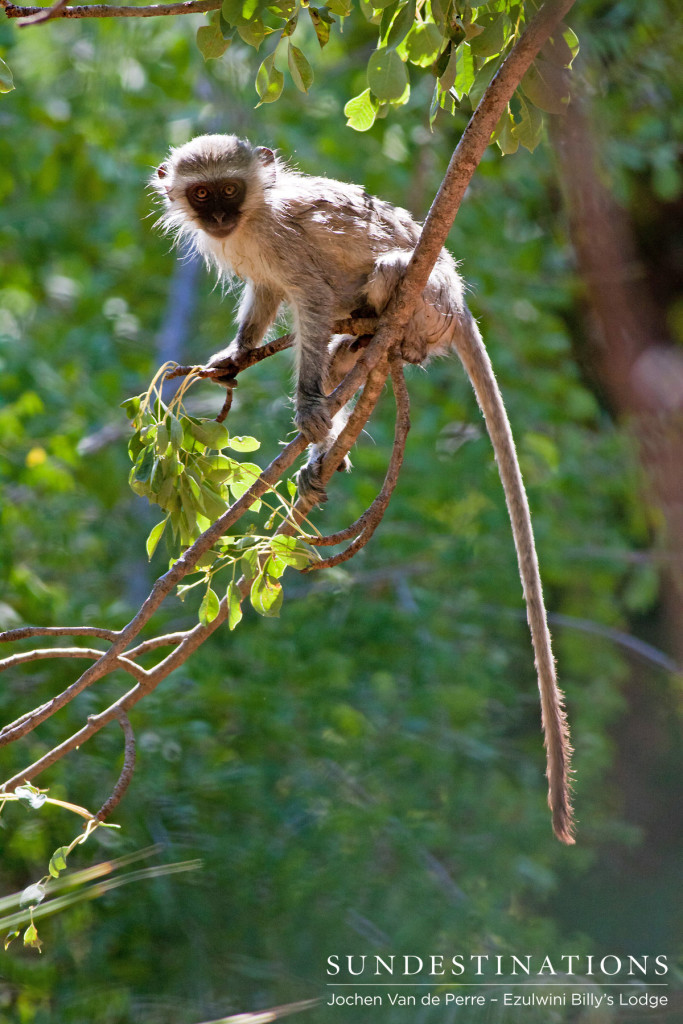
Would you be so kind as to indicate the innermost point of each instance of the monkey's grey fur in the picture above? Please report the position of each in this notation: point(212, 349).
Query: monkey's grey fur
point(328, 249)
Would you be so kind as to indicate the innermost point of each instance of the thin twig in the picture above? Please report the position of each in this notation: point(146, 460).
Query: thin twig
point(24, 632)
point(46, 14)
point(126, 771)
point(45, 653)
point(367, 523)
point(109, 11)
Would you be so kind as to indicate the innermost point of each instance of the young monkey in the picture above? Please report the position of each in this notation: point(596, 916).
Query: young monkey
point(328, 249)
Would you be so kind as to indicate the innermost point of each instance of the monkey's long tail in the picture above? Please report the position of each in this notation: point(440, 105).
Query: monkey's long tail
point(470, 347)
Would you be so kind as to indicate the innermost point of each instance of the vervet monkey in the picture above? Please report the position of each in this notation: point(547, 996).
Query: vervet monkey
point(329, 250)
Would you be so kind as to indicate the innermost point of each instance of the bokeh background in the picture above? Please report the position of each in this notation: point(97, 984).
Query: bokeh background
point(364, 774)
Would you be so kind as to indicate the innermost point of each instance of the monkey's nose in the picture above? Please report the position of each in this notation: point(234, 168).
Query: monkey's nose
point(218, 216)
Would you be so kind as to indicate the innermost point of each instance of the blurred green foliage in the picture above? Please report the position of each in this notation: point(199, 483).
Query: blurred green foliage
point(364, 774)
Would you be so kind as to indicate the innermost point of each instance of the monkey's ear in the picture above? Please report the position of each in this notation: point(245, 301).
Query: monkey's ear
point(162, 170)
point(266, 156)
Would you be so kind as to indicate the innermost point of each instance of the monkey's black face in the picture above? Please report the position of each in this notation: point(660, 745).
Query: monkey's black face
point(217, 205)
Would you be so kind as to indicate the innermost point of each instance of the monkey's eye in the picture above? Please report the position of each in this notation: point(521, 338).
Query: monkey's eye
point(201, 193)
point(230, 190)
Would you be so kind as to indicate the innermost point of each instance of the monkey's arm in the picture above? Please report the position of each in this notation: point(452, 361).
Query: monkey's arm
point(257, 311)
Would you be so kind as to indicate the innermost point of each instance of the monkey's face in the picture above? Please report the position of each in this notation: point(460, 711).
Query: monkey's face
point(217, 204)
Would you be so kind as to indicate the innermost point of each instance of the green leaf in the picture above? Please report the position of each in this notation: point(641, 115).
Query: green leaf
point(209, 433)
point(249, 563)
point(464, 75)
point(234, 599)
point(246, 474)
point(211, 42)
point(291, 551)
point(290, 27)
point(232, 11)
point(340, 7)
point(388, 15)
point(423, 44)
point(6, 80)
point(244, 444)
point(175, 432)
point(528, 130)
point(266, 596)
point(269, 81)
point(132, 406)
point(163, 439)
point(58, 861)
point(482, 80)
point(402, 24)
point(547, 86)
point(447, 78)
point(154, 537)
point(492, 40)
point(253, 33)
point(361, 112)
point(506, 141)
point(209, 608)
point(31, 937)
point(387, 75)
point(301, 72)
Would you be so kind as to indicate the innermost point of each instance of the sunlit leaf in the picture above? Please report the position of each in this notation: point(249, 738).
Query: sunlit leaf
point(234, 599)
point(269, 81)
point(361, 112)
point(423, 44)
point(58, 861)
point(154, 537)
point(6, 79)
point(31, 937)
point(244, 444)
point(266, 595)
point(209, 608)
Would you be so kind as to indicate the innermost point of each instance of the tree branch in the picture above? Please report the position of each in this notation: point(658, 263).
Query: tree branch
point(35, 15)
point(126, 772)
point(365, 525)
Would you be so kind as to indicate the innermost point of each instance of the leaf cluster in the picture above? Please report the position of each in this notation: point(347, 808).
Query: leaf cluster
point(179, 463)
point(460, 45)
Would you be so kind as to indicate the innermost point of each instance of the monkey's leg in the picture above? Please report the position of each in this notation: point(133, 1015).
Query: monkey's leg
point(313, 323)
point(257, 311)
point(431, 326)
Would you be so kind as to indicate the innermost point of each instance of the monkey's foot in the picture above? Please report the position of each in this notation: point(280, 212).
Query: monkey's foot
point(313, 420)
point(221, 370)
point(309, 483)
